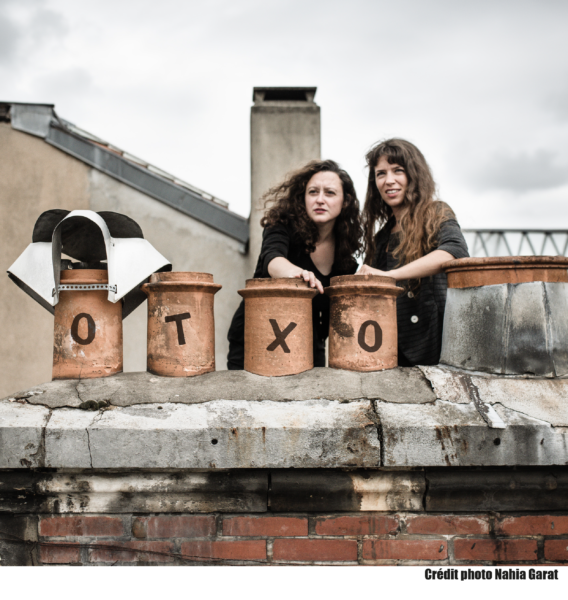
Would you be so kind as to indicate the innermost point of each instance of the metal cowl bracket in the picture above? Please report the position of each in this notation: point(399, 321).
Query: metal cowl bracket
point(94, 286)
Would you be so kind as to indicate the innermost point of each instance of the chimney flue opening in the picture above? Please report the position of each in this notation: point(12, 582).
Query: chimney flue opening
point(284, 94)
point(275, 95)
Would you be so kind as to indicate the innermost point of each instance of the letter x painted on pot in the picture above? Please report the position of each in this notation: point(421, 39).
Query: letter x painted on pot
point(280, 336)
point(178, 321)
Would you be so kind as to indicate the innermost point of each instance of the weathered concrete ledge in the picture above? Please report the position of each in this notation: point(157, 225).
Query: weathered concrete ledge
point(325, 418)
point(221, 434)
point(127, 389)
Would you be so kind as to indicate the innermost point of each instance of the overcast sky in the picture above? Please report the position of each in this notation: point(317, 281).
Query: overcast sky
point(481, 87)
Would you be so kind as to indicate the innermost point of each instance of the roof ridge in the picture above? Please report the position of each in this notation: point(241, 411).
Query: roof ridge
point(141, 162)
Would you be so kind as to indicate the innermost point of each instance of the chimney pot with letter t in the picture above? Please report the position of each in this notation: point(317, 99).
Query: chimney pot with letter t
point(285, 135)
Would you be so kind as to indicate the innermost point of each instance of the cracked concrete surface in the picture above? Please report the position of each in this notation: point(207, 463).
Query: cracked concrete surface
point(89, 445)
point(451, 434)
point(325, 418)
point(22, 430)
point(540, 398)
point(128, 389)
point(218, 434)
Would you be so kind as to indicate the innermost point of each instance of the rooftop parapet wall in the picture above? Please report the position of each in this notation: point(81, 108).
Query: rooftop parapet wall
point(306, 516)
point(324, 418)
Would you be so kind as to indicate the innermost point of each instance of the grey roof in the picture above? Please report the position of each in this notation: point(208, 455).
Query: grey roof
point(41, 120)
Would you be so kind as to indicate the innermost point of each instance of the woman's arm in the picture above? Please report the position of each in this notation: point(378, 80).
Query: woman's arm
point(282, 267)
point(427, 265)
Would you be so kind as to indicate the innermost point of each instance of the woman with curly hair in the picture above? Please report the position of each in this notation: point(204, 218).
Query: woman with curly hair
point(312, 231)
point(417, 235)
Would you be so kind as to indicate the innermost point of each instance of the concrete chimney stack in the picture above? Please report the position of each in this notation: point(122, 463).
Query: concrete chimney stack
point(284, 134)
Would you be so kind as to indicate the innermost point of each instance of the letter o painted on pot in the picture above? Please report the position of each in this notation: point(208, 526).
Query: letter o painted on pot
point(91, 329)
point(378, 336)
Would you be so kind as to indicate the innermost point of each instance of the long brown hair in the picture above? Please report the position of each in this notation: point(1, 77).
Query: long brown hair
point(288, 206)
point(422, 219)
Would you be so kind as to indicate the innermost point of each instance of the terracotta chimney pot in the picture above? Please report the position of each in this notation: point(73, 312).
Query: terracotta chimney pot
point(278, 326)
point(363, 330)
point(181, 323)
point(88, 328)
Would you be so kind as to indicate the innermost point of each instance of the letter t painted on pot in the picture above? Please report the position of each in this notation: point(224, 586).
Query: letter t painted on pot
point(178, 321)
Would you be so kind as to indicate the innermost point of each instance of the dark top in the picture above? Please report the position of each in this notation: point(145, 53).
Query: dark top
point(283, 240)
point(420, 309)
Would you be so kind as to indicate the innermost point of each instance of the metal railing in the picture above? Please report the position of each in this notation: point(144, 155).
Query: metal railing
point(516, 242)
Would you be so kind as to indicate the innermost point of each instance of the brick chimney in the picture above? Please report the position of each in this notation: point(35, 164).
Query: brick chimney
point(285, 134)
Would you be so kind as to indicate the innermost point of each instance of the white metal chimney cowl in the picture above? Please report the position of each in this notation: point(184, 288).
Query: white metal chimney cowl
point(89, 238)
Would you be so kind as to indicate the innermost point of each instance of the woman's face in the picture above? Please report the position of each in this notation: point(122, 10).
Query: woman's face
point(324, 197)
point(392, 183)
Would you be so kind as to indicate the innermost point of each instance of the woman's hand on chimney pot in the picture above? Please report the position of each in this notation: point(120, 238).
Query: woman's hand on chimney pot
point(282, 267)
point(310, 278)
point(367, 270)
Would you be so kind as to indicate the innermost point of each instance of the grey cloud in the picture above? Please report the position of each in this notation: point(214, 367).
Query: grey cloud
point(521, 172)
point(73, 81)
point(10, 35)
point(46, 24)
point(557, 104)
point(441, 73)
point(27, 35)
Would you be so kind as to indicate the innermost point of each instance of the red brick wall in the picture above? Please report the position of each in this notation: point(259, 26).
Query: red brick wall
point(362, 538)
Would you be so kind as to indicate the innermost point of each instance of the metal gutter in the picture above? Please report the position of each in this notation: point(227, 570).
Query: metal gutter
point(31, 118)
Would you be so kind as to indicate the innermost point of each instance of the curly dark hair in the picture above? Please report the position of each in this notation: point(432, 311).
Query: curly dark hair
point(288, 206)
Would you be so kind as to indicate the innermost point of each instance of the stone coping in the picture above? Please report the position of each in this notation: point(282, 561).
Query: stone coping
point(127, 389)
point(324, 418)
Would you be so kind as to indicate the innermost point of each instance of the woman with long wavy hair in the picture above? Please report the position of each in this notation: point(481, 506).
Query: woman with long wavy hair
point(312, 230)
point(417, 235)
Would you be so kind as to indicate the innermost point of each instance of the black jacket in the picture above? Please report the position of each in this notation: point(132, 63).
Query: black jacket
point(420, 309)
